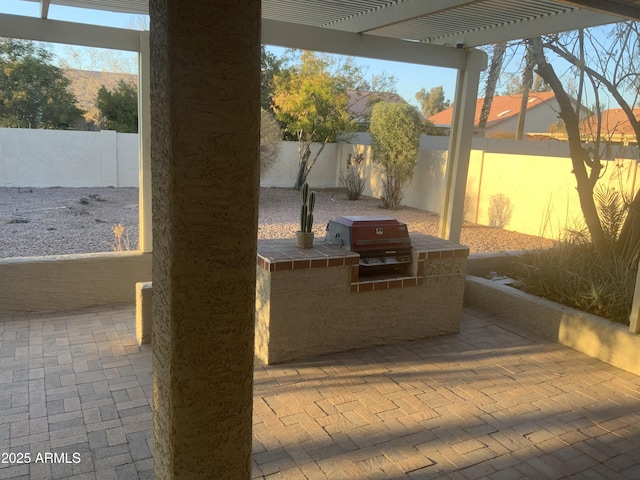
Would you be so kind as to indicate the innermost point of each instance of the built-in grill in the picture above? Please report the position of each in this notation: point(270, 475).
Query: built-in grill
point(382, 242)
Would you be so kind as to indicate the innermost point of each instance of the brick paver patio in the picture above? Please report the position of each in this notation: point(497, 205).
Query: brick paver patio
point(487, 403)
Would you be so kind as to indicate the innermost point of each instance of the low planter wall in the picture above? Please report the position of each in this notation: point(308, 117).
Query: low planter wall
point(67, 282)
point(592, 335)
point(481, 264)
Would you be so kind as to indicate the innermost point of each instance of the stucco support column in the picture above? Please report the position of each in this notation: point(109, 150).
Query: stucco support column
point(205, 117)
point(460, 145)
point(145, 243)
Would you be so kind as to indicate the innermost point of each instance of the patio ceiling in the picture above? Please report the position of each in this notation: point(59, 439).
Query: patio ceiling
point(441, 22)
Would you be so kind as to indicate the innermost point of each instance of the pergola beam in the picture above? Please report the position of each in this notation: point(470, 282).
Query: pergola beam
point(392, 14)
point(464, 108)
point(291, 35)
point(145, 243)
point(56, 31)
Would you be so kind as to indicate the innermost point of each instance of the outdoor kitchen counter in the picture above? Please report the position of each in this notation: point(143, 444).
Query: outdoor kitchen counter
point(313, 301)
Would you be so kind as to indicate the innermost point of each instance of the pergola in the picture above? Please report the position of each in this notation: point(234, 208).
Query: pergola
point(198, 86)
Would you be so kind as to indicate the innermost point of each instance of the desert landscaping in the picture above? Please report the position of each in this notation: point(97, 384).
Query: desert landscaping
point(57, 221)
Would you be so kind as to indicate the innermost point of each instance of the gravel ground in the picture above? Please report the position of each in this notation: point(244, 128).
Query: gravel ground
point(55, 221)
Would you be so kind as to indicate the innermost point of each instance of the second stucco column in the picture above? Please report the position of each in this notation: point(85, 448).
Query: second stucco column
point(205, 67)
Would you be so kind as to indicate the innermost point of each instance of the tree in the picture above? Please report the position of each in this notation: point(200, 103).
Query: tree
point(492, 80)
point(313, 104)
point(519, 84)
point(270, 140)
point(527, 83)
point(581, 157)
point(428, 128)
point(600, 64)
point(88, 69)
point(311, 99)
point(433, 101)
point(33, 91)
point(515, 87)
point(270, 66)
point(395, 135)
point(615, 68)
point(119, 107)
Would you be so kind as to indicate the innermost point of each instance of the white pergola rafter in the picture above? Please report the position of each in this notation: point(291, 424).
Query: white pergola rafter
point(44, 8)
point(392, 14)
point(527, 28)
point(135, 7)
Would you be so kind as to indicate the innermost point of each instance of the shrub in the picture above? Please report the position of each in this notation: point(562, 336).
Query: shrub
point(575, 274)
point(395, 134)
point(354, 180)
point(500, 210)
point(121, 239)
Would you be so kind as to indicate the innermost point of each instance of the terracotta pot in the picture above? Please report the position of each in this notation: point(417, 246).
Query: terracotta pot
point(304, 239)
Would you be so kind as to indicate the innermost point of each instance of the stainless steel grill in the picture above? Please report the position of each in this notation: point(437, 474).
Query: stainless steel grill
point(382, 242)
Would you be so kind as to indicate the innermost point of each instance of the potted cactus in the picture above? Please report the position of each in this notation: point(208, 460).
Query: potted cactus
point(304, 237)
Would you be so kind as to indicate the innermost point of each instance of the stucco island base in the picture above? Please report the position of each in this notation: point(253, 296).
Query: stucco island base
point(313, 302)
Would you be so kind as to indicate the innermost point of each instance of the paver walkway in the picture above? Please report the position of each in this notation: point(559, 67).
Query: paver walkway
point(487, 403)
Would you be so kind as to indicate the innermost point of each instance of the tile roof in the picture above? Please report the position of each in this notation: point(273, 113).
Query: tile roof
point(502, 107)
point(614, 122)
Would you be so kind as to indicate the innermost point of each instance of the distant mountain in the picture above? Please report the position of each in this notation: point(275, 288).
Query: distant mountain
point(85, 85)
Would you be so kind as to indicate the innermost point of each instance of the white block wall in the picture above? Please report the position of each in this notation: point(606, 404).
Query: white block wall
point(535, 176)
point(62, 158)
point(284, 172)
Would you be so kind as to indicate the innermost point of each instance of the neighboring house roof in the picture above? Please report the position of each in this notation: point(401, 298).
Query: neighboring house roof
point(85, 85)
point(360, 103)
point(615, 125)
point(502, 108)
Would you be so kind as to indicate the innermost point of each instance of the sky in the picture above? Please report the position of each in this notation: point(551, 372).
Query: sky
point(410, 78)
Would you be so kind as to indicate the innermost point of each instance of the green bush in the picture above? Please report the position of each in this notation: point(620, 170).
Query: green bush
point(395, 135)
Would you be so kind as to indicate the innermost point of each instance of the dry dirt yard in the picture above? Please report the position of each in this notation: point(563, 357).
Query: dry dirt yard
point(56, 221)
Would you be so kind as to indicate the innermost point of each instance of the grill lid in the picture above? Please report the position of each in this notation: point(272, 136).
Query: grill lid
point(368, 233)
point(382, 242)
